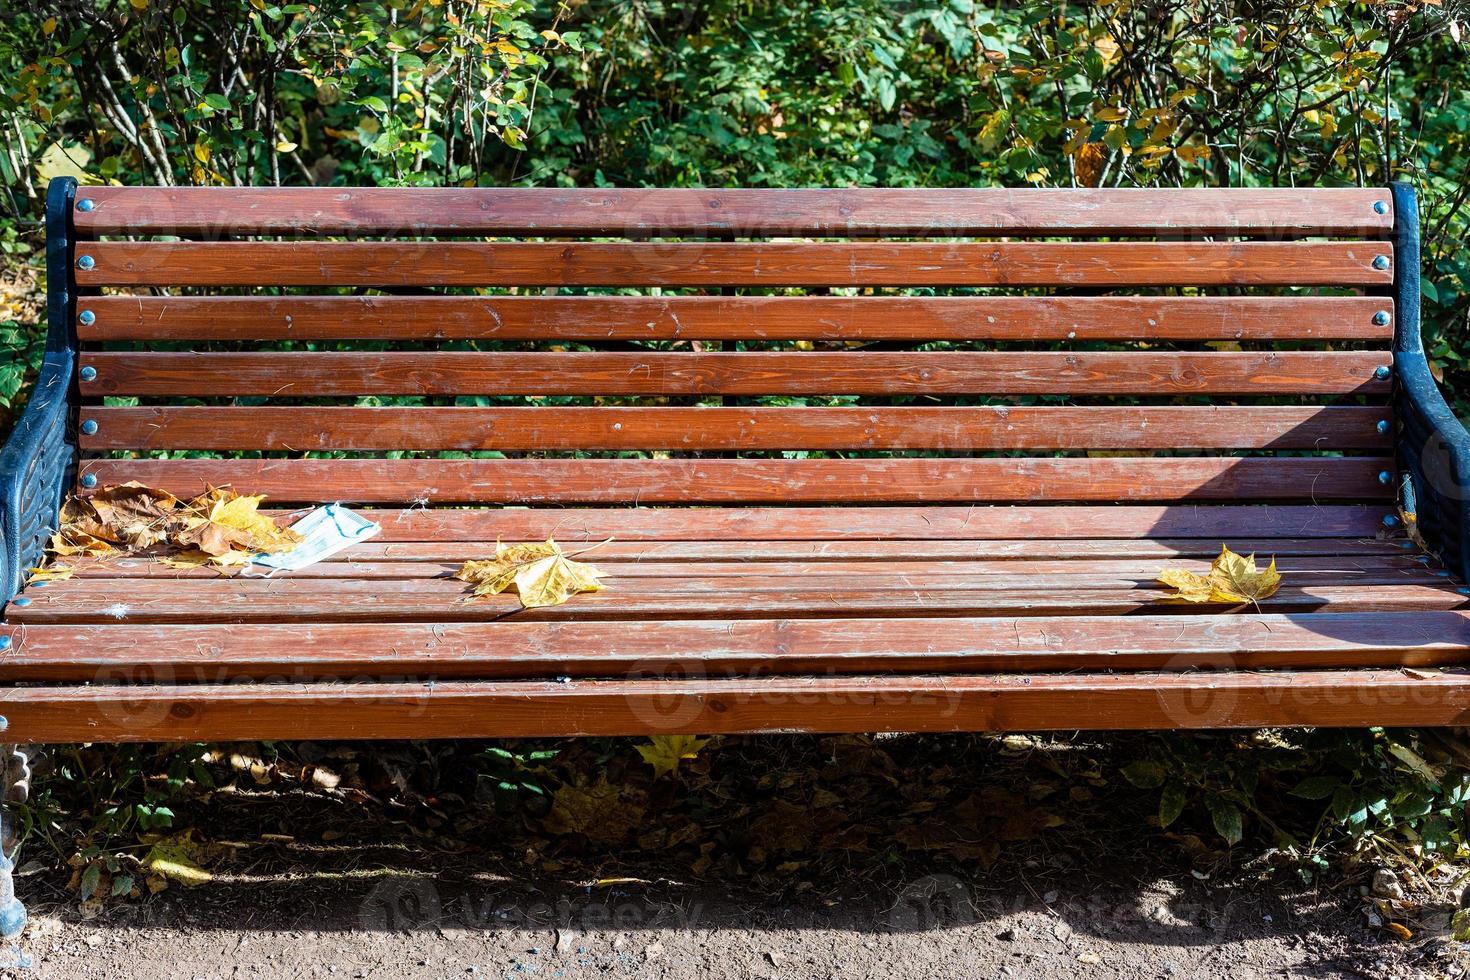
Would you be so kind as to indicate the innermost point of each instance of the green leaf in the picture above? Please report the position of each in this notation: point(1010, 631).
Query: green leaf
point(1315, 787)
point(1144, 774)
point(1226, 818)
point(1171, 804)
point(374, 103)
point(91, 878)
point(217, 102)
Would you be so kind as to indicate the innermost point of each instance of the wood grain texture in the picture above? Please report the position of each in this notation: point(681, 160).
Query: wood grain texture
point(717, 648)
point(301, 374)
point(749, 429)
point(824, 526)
point(516, 709)
point(639, 213)
point(735, 264)
point(590, 318)
point(437, 600)
point(652, 481)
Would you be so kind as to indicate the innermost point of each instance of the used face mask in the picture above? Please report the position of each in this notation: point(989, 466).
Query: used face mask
point(324, 532)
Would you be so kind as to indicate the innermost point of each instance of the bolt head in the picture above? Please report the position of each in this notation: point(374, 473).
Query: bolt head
point(89, 427)
point(1380, 262)
point(1381, 372)
point(1390, 521)
point(89, 480)
point(5, 642)
point(1382, 427)
point(22, 601)
point(1381, 318)
point(1463, 591)
point(86, 262)
point(89, 373)
point(86, 318)
point(1381, 207)
point(86, 204)
point(1383, 475)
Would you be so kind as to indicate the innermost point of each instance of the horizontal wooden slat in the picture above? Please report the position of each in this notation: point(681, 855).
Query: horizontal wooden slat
point(433, 600)
point(301, 374)
point(734, 264)
point(828, 526)
point(645, 212)
point(1054, 318)
point(631, 481)
point(506, 709)
point(705, 648)
point(901, 568)
point(690, 429)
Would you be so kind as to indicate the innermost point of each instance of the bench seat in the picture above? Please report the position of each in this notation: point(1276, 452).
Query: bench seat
point(758, 619)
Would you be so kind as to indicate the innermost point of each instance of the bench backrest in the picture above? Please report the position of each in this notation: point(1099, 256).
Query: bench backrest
point(723, 346)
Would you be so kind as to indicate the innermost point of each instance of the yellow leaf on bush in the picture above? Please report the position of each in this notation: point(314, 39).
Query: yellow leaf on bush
point(1232, 579)
point(542, 574)
point(665, 752)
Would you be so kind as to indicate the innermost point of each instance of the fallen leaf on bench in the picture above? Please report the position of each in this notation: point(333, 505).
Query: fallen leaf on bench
point(218, 528)
point(665, 752)
point(1232, 579)
point(542, 574)
point(54, 573)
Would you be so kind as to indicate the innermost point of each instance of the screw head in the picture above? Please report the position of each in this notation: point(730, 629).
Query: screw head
point(1381, 372)
point(1380, 262)
point(86, 318)
point(1382, 427)
point(1383, 475)
point(4, 724)
point(1381, 318)
point(89, 373)
point(89, 427)
point(86, 262)
point(38, 585)
point(86, 204)
point(22, 601)
point(1442, 572)
point(1390, 521)
point(5, 642)
point(89, 480)
point(1463, 591)
point(1381, 207)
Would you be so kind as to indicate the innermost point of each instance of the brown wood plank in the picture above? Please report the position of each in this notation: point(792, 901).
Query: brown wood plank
point(826, 526)
point(1054, 318)
point(433, 600)
point(1398, 565)
point(506, 709)
point(734, 264)
point(703, 648)
point(647, 212)
point(758, 554)
point(650, 481)
point(302, 374)
point(690, 429)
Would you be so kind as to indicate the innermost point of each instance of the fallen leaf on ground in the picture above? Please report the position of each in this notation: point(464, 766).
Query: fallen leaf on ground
point(542, 574)
point(1232, 578)
point(174, 858)
point(665, 752)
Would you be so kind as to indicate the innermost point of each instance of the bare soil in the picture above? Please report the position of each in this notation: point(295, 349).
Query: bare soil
point(764, 858)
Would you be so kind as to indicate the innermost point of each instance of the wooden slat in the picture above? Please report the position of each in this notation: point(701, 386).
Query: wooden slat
point(300, 374)
point(645, 212)
point(689, 429)
point(506, 709)
point(734, 264)
point(648, 481)
point(826, 526)
point(703, 648)
point(434, 600)
point(1396, 566)
point(1052, 318)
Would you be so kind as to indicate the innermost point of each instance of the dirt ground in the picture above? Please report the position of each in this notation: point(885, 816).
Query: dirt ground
point(311, 883)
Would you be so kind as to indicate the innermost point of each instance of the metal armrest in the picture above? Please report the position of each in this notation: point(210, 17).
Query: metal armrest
point(40, 456)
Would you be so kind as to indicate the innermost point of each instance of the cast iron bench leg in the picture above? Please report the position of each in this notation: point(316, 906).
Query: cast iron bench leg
point(14, 788)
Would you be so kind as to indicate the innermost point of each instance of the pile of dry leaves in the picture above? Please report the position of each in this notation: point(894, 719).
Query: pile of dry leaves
point(219, 528)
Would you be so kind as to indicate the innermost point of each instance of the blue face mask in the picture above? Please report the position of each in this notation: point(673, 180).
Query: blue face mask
point(325, 531)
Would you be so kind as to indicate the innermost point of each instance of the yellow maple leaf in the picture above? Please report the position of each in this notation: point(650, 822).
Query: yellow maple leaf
point(54, 573)
point(223, 521)
point(665, 752)
point(1232, 579)
point(542, 574)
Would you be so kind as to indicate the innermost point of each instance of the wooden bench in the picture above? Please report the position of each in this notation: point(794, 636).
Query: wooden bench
point(845, 482)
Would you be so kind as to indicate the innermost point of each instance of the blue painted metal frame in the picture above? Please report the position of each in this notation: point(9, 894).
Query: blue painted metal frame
point(1433, 446)
point(39, 460)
